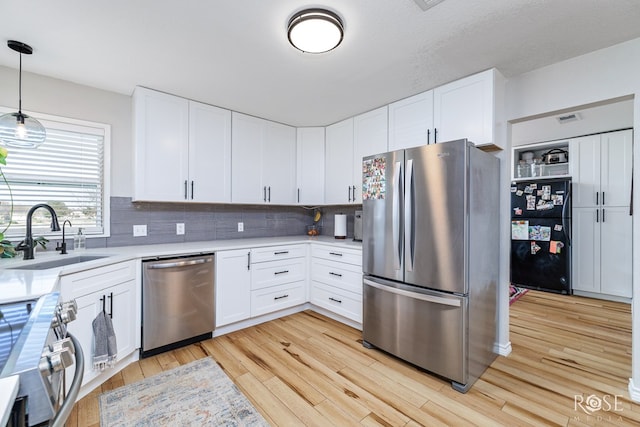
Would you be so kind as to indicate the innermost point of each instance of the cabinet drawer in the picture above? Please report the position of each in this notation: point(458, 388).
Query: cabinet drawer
point(85, 282)
point(273, 253)
point(273, 273)
point(344, 303)
point(277, 298)
point(349, 256)
point(340, 275)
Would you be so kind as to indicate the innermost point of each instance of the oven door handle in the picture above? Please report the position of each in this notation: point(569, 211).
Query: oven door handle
point(454, 302)
point(67, 406)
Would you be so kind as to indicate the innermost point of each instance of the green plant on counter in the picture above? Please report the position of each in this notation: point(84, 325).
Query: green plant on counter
point(6, 247)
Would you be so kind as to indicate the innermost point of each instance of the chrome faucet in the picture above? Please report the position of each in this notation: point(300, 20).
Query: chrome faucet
point(27, 244)
point(62, 247)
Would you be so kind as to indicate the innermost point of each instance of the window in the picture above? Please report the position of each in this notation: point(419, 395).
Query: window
point(69, 172)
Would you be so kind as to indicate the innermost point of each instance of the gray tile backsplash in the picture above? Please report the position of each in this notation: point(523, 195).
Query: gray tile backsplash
point(210, 222)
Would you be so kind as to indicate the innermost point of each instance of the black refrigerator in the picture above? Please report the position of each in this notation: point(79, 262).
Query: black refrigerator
point(541, 235)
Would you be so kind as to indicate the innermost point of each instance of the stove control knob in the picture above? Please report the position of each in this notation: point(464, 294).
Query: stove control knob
point(67, 311)
point(54, 361)
point(63, 344)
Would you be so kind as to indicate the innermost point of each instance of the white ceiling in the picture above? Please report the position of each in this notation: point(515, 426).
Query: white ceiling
point(235, 53)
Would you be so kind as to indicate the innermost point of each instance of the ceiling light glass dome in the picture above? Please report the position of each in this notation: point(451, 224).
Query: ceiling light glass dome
point(315, 30)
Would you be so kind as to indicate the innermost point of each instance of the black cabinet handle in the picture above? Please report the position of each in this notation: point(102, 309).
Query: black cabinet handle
point(281, 272)
point(597, 197)
point(185, 189)
point(435, 135)
point(298, 195)
point(191, 190)
point(264, 193)
point(597, 215)
point(248, 260)
point(111, 304)
point(603, 205)
point(336, 300)
point(354, 193)
point(103, 300)
point(335, 253)
point(603, 214)
point(428, 136)
point(280, 297)
point(335, 274)
point(349, 190)
point(281, 253)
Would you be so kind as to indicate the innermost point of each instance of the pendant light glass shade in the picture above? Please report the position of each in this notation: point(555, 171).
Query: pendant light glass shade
point(18, 129)
point(315, 30)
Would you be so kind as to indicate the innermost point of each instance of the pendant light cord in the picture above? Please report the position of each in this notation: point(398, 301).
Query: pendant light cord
point(20, 88)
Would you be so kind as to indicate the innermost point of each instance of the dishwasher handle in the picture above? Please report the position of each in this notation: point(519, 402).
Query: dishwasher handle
point(180, 263)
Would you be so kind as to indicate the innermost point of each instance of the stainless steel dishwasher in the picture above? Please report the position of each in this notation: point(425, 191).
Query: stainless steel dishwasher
point(178, 306)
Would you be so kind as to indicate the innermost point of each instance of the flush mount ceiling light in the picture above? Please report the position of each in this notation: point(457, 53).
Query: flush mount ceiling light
point(315, 30)
point(18, 129)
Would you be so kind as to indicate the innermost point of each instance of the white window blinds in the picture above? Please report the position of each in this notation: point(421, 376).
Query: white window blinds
point(66, 172)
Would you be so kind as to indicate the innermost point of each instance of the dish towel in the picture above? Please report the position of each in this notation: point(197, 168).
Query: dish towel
point(105, 348)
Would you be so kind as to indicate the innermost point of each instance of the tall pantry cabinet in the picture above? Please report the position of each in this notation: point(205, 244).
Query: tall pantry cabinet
point(602, 222)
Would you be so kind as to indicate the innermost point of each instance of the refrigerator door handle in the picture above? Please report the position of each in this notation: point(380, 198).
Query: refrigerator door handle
point(565, 207)
point(408, 217)
point(415, 295)
point(397, 241)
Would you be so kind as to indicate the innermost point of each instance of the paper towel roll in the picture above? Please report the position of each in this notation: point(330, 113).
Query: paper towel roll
point(340, 226)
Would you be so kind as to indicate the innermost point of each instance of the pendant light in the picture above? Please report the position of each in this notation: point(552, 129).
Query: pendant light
point(315, 30)
point(18, 129)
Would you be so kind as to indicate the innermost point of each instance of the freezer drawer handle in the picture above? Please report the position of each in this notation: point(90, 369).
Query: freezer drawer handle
point(281, 272)
point(281, 253)
point(280, 297)
point(335, 274)
point(335, 253)
point(335, 300)
point(179, 263)
point(429, 298)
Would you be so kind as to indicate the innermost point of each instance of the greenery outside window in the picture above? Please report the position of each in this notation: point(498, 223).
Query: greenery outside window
point(69, 172)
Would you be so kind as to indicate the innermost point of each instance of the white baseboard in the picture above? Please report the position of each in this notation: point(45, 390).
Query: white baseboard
point(502, 349)
point(634, 391)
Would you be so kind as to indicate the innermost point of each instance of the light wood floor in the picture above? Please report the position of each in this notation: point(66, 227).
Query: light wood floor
point(306, 369)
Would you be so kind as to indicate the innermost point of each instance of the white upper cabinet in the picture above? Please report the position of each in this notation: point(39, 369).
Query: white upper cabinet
point(466, 108)
point(310, 166)
point(182, 149)
point(411, 121)
point(338, 176)
point(263, 161)
point(370, 135)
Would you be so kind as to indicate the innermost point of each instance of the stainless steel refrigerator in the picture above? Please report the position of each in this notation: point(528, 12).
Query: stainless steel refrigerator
point(430, 257)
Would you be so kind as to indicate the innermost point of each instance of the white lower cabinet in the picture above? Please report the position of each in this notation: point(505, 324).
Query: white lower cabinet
point(278, 278)
point(112, 288)
point(233, 286)
point(602, 251)
point(336, 280)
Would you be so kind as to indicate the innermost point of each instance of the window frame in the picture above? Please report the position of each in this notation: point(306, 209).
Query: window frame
point(75, 125)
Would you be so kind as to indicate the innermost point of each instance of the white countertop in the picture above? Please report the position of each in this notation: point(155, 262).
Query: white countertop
point(17, 285)
point(8, 393)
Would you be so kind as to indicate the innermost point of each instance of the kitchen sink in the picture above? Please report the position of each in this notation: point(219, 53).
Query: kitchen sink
point(59, 262)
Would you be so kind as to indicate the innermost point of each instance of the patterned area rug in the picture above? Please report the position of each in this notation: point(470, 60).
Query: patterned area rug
point(196, 394)
point(515, 293)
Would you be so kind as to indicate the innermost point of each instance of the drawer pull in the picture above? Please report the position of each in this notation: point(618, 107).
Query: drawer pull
point(336, 300)
point(281, 272)
point(335, 253)
point(281, 253)
point(280, 297)
point(335, 274)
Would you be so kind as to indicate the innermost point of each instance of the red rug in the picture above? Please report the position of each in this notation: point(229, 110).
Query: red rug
point(515, 293)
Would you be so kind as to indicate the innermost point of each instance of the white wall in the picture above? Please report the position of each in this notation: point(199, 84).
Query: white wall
point(62, 98)
point(595, 77)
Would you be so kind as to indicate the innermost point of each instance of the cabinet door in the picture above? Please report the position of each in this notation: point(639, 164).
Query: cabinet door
point(209, 153)
point(411, 121)
point(233, 286)
point(615, 168)
point(585, 247)
point(123, 318)
point(310, 166)
point(615, 251)
point(585, 163)
point(464, 109)
point(246, 159)
point(161, 137)
point(370, 134)
point(279, 163)
point(339, 163)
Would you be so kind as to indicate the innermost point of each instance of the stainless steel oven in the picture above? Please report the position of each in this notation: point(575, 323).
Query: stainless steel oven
point(37, 348)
